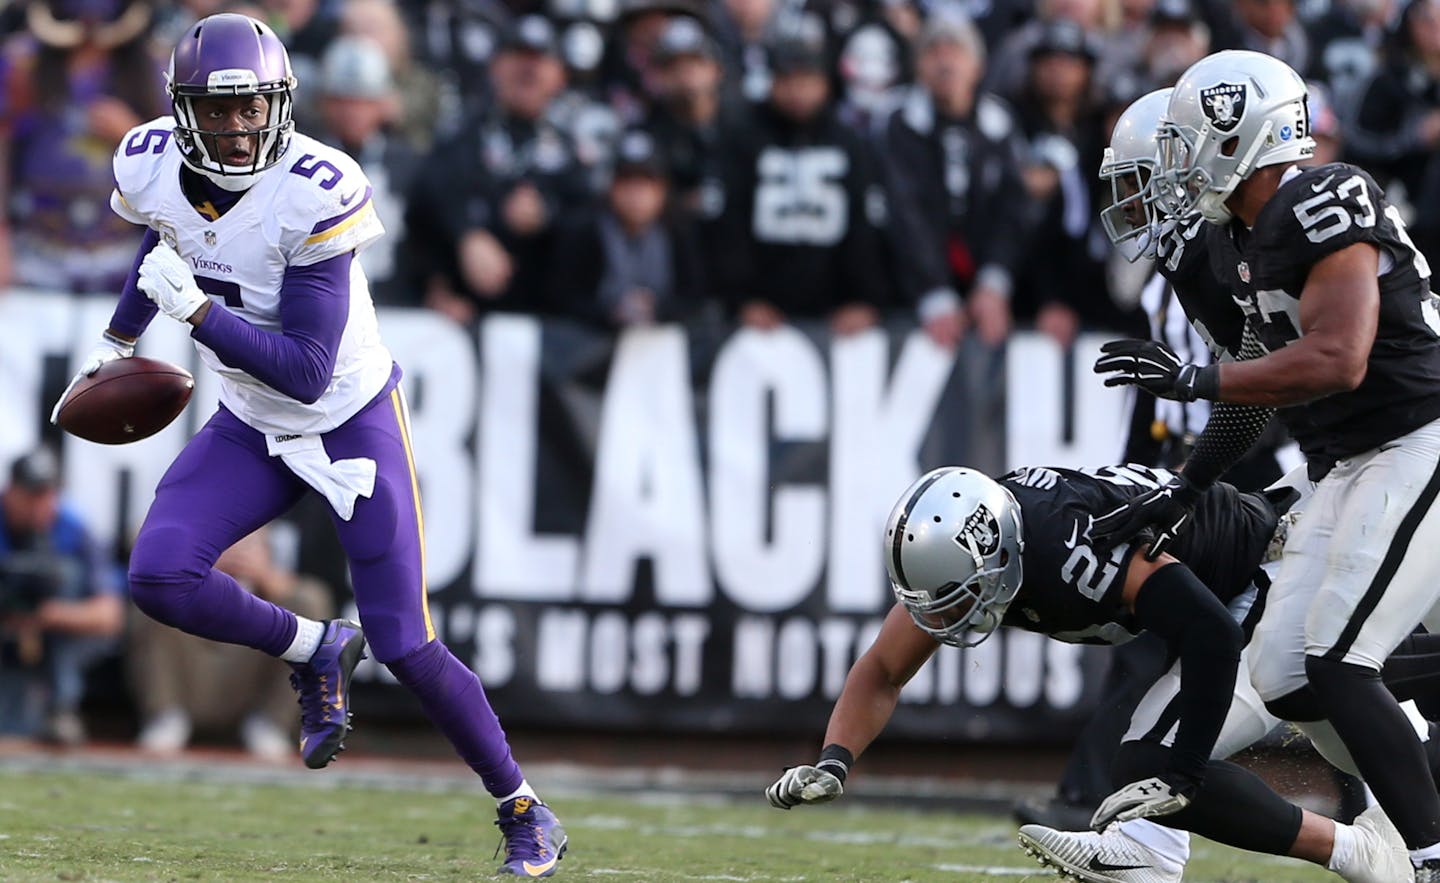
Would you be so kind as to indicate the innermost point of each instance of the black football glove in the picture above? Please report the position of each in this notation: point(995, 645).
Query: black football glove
point(1162, 513)
point(1154, 367)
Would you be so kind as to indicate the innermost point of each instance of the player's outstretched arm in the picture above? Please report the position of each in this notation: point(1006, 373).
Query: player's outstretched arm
point(866, 703)
point(131, 317)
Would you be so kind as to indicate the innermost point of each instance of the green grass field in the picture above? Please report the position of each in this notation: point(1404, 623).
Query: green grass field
point(89, 826)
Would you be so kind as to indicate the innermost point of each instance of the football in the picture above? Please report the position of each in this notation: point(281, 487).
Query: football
point(126, 400)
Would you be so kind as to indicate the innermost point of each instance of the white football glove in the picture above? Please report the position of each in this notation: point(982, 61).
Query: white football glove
point(803, 784)
point(1139, 800)
point(166, 279)
point(107, 350)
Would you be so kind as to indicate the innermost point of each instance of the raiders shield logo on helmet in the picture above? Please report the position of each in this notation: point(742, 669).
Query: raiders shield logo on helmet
point(981, 533)
point(1224, 105)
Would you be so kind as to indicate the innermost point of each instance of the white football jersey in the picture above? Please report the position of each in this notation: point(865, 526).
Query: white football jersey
point(311, 206)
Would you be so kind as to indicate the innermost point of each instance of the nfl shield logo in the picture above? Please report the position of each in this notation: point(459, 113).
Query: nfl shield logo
point(1224, 105)
point(210, 238)
point(1244, 270)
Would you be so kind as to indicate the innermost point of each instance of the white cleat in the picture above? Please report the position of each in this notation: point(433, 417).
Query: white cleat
point(1109, 857)
point(1380, 855)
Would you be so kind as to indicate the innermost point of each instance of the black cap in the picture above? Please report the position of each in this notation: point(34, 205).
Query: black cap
point(1177, 12)
point(638, 154)
point(36, 471)
point(533, 33)
point(1066, 37)
point(792, 55)
point(684, 36)
point(632, 8)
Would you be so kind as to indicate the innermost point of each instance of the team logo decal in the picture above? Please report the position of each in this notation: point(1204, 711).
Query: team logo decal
point(981, 533)
point(210, 239)
point(1244, 270)
point(1224, 104)
point(167, 235)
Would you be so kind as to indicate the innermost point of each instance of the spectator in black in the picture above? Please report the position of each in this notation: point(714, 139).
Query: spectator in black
point(1010, 60)
point(630, 85)
point(1268, 26)
point(872, 64)
point(60, 605)
point(959, 216)
point(630, 262)
point(1395, 130)
point(1398, 129)
point(692, 112)
point(746, 27)
point(799, 233)
point(1346, 45)
point(1063, 127)
point(480, 219)
point(1177, 38)
point(359, 110)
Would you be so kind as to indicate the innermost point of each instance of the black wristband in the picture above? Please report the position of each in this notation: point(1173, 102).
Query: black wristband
point(836, 760)
point(1207, 382)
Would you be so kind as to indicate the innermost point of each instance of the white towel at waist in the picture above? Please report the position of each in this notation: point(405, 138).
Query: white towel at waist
point(340, 482)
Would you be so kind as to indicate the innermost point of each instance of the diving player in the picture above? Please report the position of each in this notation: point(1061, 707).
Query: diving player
point(1326, 273)
point(253, 232)
point(957, 547)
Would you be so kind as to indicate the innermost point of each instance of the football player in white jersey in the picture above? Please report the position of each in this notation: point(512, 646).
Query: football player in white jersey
point(253, 232)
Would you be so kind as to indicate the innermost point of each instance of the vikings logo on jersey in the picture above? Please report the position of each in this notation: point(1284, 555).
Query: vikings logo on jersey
point(1224, 105)
point(981, 533)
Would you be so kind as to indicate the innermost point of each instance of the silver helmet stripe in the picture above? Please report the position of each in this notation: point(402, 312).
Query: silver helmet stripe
point(899, 538)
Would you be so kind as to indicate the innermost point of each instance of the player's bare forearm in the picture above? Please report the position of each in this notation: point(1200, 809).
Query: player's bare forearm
point(1301, 372)
point(863, 709)
point(873, 686)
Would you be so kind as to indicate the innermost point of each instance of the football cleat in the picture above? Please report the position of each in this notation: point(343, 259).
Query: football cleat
point(532, 837)
point(1108, 857)
point(324, 687)
point(1380, 855)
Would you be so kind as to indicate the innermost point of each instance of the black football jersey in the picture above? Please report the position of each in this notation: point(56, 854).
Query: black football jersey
point(1207, 302)
point(1314, 214)
point(1070, 592)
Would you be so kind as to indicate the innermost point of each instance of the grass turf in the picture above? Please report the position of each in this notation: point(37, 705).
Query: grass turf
point(84, 826)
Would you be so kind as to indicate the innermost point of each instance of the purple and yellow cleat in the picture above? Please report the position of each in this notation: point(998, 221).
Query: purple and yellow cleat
point(534, 841)
point(324, 687)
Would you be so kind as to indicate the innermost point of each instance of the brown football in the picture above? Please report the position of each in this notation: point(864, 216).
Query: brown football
point(126, 400)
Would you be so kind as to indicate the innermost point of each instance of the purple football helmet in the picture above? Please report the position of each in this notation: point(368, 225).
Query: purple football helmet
point(225, 55)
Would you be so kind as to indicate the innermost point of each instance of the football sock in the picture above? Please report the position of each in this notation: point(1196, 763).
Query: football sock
point(1383, 743)
point(524, 790)
point(308, 633)
point(453, 699)
point(1343, 851)
point(1170, 846)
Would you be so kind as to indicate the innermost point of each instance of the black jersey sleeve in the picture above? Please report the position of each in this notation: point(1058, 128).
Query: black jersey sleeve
point(1312, 216)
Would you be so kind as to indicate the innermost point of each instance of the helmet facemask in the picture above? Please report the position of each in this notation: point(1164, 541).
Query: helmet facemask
point(201, 148)
point(1132, 219)
point(963, 614)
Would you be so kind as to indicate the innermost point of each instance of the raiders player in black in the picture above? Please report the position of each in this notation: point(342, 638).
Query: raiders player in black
point(1340, 301)
point(967, 553)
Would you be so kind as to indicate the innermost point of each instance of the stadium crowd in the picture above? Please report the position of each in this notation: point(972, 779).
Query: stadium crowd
point(753, 159)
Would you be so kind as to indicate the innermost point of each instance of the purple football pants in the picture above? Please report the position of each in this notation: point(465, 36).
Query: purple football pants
point(224, 485)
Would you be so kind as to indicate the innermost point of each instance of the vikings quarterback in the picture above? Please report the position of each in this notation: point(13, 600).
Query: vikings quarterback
point(253, 232)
